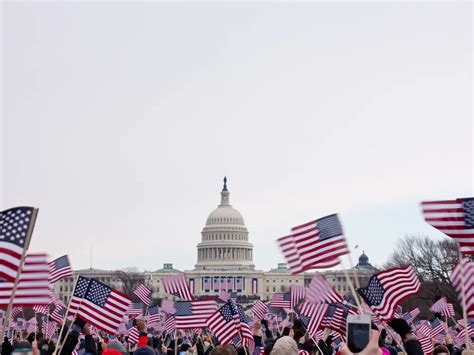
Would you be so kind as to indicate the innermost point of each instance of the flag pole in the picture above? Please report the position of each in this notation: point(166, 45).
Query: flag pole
point(65, 317)
point(351, 286)
point(26, 245)
point(463, 298)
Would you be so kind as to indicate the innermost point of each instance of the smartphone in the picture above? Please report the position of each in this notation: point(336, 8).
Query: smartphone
point(358, 332)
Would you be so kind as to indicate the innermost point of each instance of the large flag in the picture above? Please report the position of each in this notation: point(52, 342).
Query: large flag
point(457, 278)
point(194, 314)
point(387, 288)
point(15, 224)
point(59, 269)
point(319, 291)
point(260, 309)
point(312, 315)
point(33, 285)
point(103, 307)
point(178, 286)
point(455, 218)
point(143, 294)
point(313, 245)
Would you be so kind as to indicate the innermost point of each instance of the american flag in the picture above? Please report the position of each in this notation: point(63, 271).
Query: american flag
point(319, 291)
point(439, 306)
point(194, 314)
point(58, 313)
point(454, 218)
point(178, 286)
point(59, 269)
point(43, 309)
point(135, 309)
point(133, 334)
point(437, 327)
point(336, 317)
point(386, 289)
point(423, 329)
point(31, 325)
point(260, 309)
point(224, 296)
point(456, 279)
point(154, 314)
point(33, 286)
point(225, 323)
point(170, 325)
point(50, 329)
point(298, 293)
point(410, 316)
point(281, 300)
point(312, 315)
point(16, 312)
point(15, 224)
point(143, 294)
point(312, 245)
point(82, 284)
point(103, 307)
point(449, 312)
point(426, 345)
point(167, 306)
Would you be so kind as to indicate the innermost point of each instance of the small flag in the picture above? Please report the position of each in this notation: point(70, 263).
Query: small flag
point(312, 245)
point(176, 285)
point(59, 269)
point(143, 294)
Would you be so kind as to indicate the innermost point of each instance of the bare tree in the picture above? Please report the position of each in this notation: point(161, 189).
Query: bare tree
point(129, 281)
point(433, 261)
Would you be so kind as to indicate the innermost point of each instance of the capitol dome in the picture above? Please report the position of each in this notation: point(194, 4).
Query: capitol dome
point(225, 242)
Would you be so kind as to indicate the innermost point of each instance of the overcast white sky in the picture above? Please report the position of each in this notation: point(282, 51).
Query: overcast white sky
point(119, 121)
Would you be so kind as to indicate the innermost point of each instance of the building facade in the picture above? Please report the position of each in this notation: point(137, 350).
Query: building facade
point(225, 262)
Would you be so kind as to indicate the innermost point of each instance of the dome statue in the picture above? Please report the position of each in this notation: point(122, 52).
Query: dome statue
point(224, 244)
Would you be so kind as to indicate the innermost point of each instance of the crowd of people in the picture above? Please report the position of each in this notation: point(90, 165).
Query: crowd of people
point(291, 340)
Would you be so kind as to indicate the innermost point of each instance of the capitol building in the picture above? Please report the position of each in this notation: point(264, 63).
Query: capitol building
point(225, 262)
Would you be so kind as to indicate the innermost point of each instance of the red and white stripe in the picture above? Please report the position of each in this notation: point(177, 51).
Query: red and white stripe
point(33, 286)
point(457, 277)
point(177, 285)
point(449, 217)
point(398, 284)
point(304, 250)
point(201, 310)
point(319, 291)
point(260, 309)
point(297, 293)
point(143, 294)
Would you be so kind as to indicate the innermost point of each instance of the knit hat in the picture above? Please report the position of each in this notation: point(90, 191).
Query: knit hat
point(144, 351)
point(115, 345)
point(285, 346)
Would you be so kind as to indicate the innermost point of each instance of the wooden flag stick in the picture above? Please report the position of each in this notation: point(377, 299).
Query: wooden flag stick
point(351, 286)
point(463, 298)
point(65, 317)
point(26, 245)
